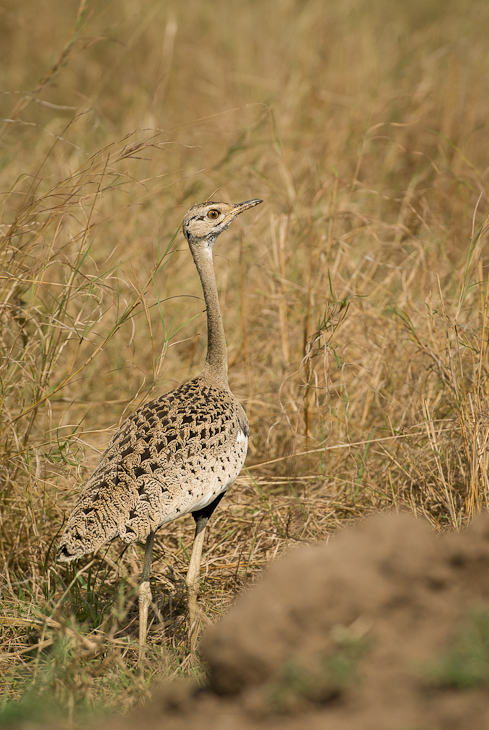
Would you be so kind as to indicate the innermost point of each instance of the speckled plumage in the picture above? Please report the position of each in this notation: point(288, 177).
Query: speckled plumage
point(172, 456)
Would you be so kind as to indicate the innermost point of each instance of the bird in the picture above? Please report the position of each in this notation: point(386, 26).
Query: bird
point(176, 454)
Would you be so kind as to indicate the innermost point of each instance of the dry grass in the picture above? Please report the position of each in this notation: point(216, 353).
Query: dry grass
point(355, 300)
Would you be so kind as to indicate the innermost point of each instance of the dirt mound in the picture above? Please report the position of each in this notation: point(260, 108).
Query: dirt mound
point(386, 626)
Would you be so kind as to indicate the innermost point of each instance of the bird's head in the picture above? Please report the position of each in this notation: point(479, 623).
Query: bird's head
point(204, 222)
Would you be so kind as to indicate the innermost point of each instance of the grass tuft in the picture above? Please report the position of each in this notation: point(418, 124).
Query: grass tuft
point(465, 664)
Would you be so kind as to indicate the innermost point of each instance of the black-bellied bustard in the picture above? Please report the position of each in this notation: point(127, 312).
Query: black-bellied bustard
point(175, 455)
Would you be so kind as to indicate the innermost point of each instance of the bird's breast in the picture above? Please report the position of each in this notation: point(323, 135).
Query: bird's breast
point(204, 477)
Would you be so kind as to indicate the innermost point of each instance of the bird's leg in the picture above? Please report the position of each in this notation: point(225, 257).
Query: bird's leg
point(201, 518)
point(145, 596)
point(193, 576)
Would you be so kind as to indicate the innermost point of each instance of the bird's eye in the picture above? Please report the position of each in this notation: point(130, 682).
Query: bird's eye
point(213, 214)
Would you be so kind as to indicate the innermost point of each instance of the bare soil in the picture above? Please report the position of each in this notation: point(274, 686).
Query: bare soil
point(345, 635)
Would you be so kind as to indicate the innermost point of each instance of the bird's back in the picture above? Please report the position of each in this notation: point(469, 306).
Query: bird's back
point(172, 456)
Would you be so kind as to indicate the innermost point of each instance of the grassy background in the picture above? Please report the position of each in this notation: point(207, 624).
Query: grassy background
point(355, 299)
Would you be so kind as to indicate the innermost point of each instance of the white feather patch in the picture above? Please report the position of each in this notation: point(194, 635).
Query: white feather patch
point(242, 437)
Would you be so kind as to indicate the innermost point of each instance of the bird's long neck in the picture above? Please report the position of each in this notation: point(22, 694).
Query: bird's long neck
point(216, 363)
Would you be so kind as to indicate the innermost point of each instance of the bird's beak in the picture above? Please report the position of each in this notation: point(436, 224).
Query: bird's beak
point(240, 208)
